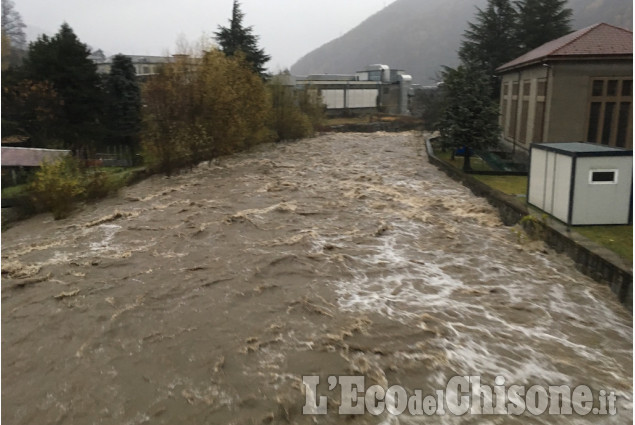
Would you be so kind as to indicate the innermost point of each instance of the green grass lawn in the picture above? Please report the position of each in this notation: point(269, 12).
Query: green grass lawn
point(14, 191)
point(511, 185)
point(618, 239)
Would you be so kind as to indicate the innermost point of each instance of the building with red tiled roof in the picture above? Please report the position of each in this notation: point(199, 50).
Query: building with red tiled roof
point(576, 88)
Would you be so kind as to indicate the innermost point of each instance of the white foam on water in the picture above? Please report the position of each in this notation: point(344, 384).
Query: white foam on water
point(104, 245)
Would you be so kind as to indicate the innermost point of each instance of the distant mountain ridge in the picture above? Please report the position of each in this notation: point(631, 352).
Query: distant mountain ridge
point(420, 36)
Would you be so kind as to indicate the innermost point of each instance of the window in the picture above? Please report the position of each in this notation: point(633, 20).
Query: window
point(524, 116)
point(526, 88)
point(598, 88)
point(504, 118)
point(609, 107)
point(539, 121)
point(539, 110)
point(610, 118)
point(603, 177)
point(622, 124)
point(594, 117)
point(511, 129)
point(611, 88)
point(627, 88)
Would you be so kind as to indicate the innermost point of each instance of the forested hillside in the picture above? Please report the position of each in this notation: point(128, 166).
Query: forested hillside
point(420, 36)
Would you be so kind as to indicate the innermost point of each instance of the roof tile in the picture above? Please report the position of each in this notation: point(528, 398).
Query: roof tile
point(596, 40)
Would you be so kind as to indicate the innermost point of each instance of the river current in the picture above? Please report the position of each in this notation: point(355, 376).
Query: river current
point(206, 297)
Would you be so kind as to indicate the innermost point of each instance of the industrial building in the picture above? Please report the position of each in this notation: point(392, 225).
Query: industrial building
point(375, 89)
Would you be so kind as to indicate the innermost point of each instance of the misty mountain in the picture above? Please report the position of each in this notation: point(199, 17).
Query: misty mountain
point(420, 36)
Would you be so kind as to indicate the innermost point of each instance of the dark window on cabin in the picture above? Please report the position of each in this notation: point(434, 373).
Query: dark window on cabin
point(602, 176)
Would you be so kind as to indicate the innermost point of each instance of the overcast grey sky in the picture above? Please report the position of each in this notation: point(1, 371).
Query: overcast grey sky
point(288, 29)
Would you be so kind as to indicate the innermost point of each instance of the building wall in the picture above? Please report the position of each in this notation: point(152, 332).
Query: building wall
point(349, 98)
point(376, 88)
point(571, 100)
point(591, 200)
point(550, 182)
point(523, 106)
point(361, 95)
point(554, 103)
point(344, 94)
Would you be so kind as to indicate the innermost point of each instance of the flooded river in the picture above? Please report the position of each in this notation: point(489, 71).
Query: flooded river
point(206, 297)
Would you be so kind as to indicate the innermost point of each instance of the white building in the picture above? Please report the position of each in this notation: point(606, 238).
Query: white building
point(582, 183)
point(143, 65)
point(376, 88)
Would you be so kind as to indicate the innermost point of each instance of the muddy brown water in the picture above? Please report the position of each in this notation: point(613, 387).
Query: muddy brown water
point(204, 298)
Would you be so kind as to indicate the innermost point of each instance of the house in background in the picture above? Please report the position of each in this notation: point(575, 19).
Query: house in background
point(577, 88)
point(144, 65)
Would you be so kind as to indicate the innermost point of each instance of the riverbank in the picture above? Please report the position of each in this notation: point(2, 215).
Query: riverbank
point(591, 258)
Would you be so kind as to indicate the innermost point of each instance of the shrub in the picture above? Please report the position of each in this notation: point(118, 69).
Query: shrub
point(295, 114)
point(201, 107)
point(56, 185)
point(97, 184)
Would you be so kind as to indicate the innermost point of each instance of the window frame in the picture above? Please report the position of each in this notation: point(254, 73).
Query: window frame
point(615, 172)
point(608, 124)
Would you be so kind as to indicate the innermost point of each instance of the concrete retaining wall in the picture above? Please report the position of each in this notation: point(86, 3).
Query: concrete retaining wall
point(591, 259)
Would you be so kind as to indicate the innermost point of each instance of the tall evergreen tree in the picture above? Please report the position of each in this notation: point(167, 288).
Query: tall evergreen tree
point(540, 21)
point(492, 40)
point(123, 103)
point(238, 39)
point(470, 118)
point(63, 61)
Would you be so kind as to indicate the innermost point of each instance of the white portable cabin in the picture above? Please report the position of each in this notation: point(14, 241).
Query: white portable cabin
point(582, 183)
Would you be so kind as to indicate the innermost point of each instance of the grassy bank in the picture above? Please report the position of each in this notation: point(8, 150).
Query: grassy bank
point(511, 185)
point(618, 239)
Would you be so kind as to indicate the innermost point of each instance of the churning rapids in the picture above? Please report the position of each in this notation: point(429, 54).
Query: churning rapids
point(205, 297)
